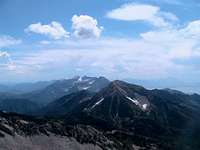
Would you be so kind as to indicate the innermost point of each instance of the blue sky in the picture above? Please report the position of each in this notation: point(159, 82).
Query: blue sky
point(143, 39)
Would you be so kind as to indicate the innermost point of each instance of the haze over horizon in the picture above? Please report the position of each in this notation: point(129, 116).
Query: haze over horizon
point(128, 39)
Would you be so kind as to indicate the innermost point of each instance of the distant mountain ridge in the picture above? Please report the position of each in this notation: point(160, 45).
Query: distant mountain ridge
point(21, 106)
point(189, 87)
point(51, 91)
point(20, 88)
point(66, 86)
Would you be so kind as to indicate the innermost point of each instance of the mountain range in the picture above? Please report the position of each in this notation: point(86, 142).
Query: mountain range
point(39, 97)
point(20, 88)
point(102, 114)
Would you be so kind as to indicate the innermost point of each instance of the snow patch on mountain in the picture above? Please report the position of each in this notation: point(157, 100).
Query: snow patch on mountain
point(79, 79)
point(97, 103)
point(91, 82)
point(144, 106)
point(85, 88)
point(133, 100)
point(136, 102)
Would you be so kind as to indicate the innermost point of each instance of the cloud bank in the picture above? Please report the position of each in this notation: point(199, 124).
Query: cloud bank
point(155, 54)
point(6, 41)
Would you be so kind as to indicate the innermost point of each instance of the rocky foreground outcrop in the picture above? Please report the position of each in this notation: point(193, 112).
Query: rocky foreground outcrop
point(19, 132)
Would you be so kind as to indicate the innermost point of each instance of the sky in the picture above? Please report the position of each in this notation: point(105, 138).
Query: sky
point(135, 39)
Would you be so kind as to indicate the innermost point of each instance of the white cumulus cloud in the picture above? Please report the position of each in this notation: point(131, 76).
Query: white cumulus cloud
point(53, 30)
point(85, 27)
point(142, 12)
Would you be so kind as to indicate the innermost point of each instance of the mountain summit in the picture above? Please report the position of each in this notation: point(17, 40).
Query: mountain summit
point(119, 100)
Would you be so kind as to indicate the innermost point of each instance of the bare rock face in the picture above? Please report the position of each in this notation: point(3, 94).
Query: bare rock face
point(42, 142)
point(19, 132)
